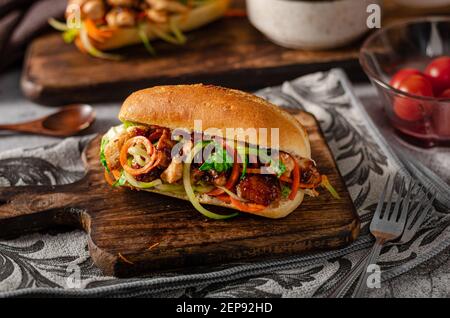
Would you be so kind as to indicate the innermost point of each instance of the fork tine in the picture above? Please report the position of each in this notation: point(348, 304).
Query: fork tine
point(387, 210)
point(422, 198)
point(407, 203)
point(379, 208)
point(420, 219)
point(410, 231)
point(398, 201)
point(420, 190)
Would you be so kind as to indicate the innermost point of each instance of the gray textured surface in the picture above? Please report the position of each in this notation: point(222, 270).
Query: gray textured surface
point(431, 279)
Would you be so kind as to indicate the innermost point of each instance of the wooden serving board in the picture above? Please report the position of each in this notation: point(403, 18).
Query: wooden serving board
point(228, 52)
point(122, 222)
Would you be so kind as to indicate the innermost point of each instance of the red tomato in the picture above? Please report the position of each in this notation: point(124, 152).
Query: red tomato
point(408, 108)
point(445, 93)
point(439, 73)
point(401, 75)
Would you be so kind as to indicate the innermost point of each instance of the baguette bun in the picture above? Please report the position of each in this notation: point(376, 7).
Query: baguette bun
point(194, 19)
point(177, 106)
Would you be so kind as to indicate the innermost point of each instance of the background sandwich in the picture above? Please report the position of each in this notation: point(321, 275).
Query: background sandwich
point(100, 25)
point(146, 153)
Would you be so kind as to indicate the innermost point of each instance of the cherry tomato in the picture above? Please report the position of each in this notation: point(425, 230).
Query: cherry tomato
point(408, 108)
point(401, 75)
point(439, 73)
point(445, 93)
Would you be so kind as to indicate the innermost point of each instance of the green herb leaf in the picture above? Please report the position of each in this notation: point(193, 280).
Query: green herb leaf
point(277, 167)
point(242, 151)
point(104, 142)
point(177, 32)
point(327, 185)
point(121, 181)
point(220, 161)
point(128, 124)
point(69, 35)
point(143, 36)
point(285, 191)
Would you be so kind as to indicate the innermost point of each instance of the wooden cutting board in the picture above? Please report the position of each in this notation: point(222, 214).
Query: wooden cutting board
point(123, 225)
point(228, 52)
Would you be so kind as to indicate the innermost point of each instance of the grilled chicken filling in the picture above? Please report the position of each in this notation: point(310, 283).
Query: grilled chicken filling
point(127, 13)
point(141, 156)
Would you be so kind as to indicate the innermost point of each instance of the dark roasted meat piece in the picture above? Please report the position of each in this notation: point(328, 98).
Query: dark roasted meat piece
point(260, 189)
point(309, 172)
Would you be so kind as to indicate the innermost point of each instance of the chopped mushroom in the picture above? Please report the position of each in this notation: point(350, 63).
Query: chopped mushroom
point(157, 16)
point(92, 9)
point(167, 5)
point(122, 3)
point(120, 17)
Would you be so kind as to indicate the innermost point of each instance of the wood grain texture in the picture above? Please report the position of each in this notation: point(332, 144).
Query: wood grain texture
point(125, 222)
point(228, 52)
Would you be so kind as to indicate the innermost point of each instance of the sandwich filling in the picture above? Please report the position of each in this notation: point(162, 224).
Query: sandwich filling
point(92, 22)
point(240, 175)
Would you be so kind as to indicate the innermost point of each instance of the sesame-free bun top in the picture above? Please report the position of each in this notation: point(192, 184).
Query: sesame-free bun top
point(178, 106)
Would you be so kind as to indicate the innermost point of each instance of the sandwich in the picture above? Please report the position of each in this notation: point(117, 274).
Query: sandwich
point(212, 146)
point(96, 26)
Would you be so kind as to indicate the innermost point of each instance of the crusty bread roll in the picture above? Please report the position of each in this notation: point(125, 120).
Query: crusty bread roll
point(177, 106)
point(191, 20)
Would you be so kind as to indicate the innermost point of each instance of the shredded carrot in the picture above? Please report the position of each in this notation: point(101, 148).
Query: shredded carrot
point(285, 179)
point(247, 207)
point(153, 246)
point(154, 157)
point(124, 259)
point(116, 174)
point(80, 45)
point(224, 198)
point(108, 178)
point(95, 33)
point(253, 170)
point(295, 181)
point(235, 13)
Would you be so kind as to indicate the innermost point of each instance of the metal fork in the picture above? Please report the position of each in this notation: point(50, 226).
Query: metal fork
point(415, 219)
point(385, 226)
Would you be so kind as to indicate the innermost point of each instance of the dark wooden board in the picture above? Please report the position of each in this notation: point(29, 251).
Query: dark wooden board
point(129, 222)
point(228, 52)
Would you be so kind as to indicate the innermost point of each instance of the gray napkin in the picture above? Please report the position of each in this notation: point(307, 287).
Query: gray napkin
point(60, 264)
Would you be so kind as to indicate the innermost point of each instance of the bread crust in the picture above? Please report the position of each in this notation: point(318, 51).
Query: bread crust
point(194, 19)
point(178, 106)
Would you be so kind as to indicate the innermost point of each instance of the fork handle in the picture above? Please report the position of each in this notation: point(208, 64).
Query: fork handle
point(349, 279)
point(361, 287)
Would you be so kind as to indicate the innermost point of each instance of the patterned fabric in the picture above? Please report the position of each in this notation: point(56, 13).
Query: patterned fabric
point(59, 263)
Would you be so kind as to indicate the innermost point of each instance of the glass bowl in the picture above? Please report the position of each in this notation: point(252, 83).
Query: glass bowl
point(410, 44)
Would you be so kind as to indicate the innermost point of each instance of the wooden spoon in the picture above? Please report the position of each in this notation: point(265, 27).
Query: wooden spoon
point(68, 121)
